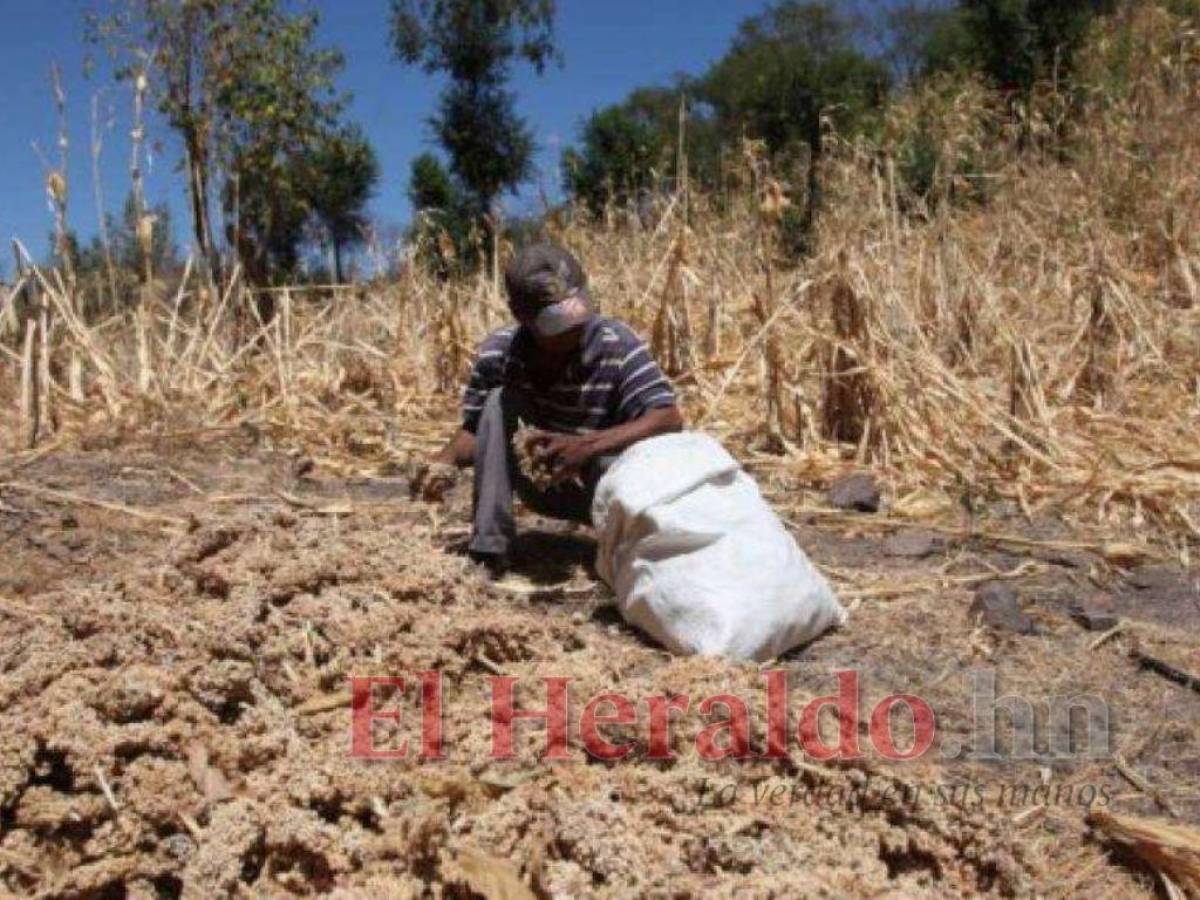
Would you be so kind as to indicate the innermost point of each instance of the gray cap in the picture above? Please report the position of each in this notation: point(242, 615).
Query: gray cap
point(542, 275)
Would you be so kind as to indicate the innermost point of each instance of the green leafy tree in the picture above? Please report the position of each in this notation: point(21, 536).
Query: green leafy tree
point(276, 104)
point(616, 161)
point(181, 42)
point(474, 43)
point(243, 86)
point(624, 147)
point(343, 173)
point(923, 36)
point(431, 188)
point(1016, 43)
point(789, 65)
point(703, 140)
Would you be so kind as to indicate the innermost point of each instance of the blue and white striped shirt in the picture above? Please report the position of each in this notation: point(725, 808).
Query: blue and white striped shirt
point(612, 380)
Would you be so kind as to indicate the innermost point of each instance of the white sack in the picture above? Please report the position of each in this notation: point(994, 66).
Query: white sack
point(697, 558)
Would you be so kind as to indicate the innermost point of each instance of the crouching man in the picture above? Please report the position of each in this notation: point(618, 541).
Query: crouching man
point(585, 383)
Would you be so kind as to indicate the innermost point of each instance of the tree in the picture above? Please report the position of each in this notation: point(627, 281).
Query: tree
point(1016, 43)
point(633, 147)
point(474, 43)
point(788, 66)
point(343, 173)
point(241, 84)
point(276, 103)
point(616, 163)
point(922, 36)
point(182, 43)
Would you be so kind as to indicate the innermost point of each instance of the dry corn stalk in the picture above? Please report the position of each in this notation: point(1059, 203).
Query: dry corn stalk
point(10, 321)
point(1097, 381)
point(1183, 275)
point(966, 322)
point(1026, 399)
point(849, 395)
point(1188, 272)
point(772, 202)
point(80, 334)
point(56, 180)
point(671, 338)
point(774, 369)
point(448, 344)
point(75, 377)
point(1171, 850)
point(712, 327)
point(141, 318)
point(29, 388)
point(45, 394)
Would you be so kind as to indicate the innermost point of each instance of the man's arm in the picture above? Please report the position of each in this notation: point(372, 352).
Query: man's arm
point(569, 453)
point(486, 376)
point(653, 422)
point(431, 481)
point(645, 401)
point(459, 451)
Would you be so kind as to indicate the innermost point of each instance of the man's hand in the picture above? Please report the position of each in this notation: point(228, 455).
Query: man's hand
point(431, 481)
point(565, 455)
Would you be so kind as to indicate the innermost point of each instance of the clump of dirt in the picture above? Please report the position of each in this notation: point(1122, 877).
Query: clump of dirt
point(177, 721)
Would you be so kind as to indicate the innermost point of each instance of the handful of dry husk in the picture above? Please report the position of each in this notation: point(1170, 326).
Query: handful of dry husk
point(534, 467)
point(431, 481)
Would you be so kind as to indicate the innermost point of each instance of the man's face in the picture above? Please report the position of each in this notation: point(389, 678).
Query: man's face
point(559, 345)
point(551, 346)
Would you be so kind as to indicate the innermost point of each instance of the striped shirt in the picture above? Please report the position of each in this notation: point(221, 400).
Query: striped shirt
point(612, 380)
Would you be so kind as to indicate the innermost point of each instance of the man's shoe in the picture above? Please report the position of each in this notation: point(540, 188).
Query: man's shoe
point(494, 564)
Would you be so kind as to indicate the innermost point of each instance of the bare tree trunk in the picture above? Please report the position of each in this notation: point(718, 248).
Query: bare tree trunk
point(197, 162)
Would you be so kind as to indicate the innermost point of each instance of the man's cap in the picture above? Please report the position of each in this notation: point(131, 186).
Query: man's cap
point(547, 289)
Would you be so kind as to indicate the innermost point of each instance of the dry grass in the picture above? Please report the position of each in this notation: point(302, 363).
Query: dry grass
point(1171, 850)
point(1042, 347)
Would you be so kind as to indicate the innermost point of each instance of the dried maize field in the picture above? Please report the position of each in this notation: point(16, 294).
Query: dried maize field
point(207, 531)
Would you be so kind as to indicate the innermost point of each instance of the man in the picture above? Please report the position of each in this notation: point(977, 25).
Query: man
point(586, 383)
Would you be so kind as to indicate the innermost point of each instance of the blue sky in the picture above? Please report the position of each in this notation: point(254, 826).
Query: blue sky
point(610, 47)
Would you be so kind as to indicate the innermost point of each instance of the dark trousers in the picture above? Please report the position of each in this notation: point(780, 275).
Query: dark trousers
point(497, 475)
